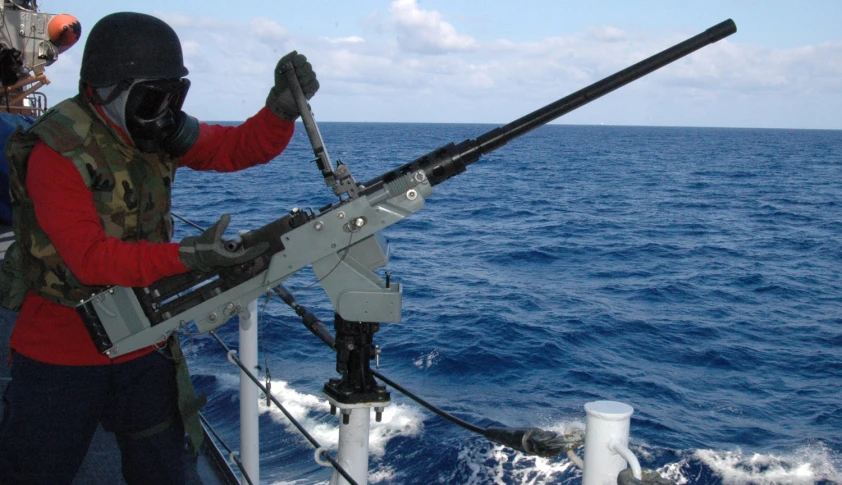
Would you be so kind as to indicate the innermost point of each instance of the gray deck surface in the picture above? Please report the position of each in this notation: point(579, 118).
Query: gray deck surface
point(102, 464)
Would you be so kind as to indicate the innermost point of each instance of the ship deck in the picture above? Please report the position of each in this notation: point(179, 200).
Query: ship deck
point(102, 463)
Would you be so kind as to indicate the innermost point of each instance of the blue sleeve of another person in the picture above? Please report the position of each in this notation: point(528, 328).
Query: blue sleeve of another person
point(8, 123)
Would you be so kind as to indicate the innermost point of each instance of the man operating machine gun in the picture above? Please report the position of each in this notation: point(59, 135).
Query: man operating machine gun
point(343, 245)
point(91, 187)
point(341, 242)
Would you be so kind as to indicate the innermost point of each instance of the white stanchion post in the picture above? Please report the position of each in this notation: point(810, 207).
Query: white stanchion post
point(249, 395)
point(353, 442)
point(606, 426)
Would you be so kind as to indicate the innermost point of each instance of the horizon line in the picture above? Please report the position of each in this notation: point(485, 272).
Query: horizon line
point(299, 122)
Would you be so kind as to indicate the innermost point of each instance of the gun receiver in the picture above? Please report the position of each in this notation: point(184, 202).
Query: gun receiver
point(342, 242)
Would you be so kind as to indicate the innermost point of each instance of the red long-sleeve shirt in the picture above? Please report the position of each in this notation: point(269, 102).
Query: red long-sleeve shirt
point(64, 206)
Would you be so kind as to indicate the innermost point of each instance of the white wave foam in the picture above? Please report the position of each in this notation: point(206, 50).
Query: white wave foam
point(386, 474)
point(486, 464)
point(426, 361)
point(502, 466)
point(499, 465)
point(807, 465)
point(228, 380)
point(312, 413)
point(295, 482)
point(398, 420)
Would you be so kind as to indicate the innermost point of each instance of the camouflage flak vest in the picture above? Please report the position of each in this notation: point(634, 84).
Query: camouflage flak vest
point(131, 191)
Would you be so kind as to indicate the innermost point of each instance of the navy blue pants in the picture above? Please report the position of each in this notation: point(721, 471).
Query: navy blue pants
point(52, 411)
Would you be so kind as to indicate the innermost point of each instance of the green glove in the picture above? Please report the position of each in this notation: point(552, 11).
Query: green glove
point(207, 251)
point(280, 99)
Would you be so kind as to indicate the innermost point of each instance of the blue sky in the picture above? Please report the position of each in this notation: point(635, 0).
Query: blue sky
point(492, 61)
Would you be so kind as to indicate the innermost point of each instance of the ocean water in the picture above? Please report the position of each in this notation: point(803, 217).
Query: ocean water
point(695, 274)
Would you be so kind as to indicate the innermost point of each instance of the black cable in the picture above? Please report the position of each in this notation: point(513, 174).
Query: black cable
point(214, 433)
point(227, 448)
point(532, 441)
point(240, 466)
point(295, 423)
point(315, 325)
point(443, 414)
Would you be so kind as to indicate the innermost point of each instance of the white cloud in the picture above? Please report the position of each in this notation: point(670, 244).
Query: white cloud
point(762, 71)
point(344, 40)
point(268, 31)
point(180, 22)
point(375, 22)
point(424, 31)
point(176, 20)
point(607, 34)
point(190, 48)
point(415, 66)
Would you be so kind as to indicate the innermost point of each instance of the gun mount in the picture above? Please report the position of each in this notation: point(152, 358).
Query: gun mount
point(342, 242)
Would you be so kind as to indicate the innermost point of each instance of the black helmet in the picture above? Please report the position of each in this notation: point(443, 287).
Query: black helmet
point(128, 45)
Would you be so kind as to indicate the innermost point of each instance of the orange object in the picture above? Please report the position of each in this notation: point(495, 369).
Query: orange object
point(64, 31)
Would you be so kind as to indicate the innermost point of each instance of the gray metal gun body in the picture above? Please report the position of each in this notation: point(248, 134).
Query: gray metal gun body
point(343, 245)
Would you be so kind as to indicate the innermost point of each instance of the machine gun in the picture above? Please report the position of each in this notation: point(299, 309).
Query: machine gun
point(342, 242)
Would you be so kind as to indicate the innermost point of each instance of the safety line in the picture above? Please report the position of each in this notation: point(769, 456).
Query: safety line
point(295, 423)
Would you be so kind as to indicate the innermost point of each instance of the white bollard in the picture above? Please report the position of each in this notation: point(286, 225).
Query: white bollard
point(606, 429)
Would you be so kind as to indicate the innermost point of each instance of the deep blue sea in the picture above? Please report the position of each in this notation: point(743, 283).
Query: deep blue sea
point(693, 273)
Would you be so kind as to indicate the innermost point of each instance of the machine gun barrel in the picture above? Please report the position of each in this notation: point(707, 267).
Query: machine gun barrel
point(449, 160)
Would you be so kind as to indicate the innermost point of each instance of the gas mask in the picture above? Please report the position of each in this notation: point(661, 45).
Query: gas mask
point(154, 120)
